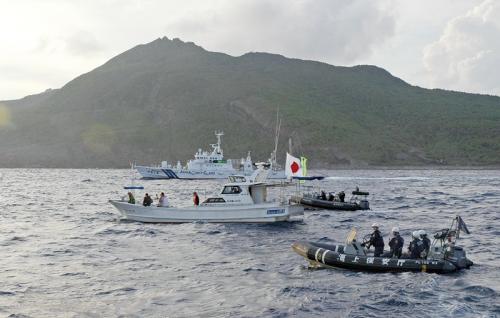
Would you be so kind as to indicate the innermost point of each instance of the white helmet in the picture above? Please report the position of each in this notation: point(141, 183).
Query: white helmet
point(421, 233)
point(375, 225)
point(395, 229)
point(415, 234)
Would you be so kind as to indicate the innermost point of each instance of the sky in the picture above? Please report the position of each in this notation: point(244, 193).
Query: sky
point(450, 44)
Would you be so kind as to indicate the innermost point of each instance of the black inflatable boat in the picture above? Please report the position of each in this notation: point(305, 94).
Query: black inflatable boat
point(358, 201)
point(330, 205)
point(444, 256)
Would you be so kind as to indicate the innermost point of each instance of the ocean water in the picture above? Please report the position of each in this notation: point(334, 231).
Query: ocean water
point(64, 252)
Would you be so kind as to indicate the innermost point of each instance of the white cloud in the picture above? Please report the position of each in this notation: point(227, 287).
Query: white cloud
point(467, 55)
point(335, 31)
point(50, 42)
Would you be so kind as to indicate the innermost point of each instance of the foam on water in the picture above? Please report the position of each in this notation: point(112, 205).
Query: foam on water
point(66, 253)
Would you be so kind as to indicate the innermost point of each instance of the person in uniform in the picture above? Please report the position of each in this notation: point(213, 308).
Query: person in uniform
point(416, 246)
point(341, 196)
point(396, 243)
point(323, 195)
point(426, 243)
point(376, 240)
point(330, 196)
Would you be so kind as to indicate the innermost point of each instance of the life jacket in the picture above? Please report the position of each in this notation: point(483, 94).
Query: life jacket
point(376, 239)
point(416, 248)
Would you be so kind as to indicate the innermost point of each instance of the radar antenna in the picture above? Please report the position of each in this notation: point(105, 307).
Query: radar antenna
point(217, 147)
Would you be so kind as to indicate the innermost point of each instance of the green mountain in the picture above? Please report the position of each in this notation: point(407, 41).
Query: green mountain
point(163, 100)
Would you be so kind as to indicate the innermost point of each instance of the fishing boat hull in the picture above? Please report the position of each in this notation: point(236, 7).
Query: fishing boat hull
point(323, 255)
point(259, 213)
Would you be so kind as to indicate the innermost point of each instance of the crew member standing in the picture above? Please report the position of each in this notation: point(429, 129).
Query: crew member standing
point(416, 246)
point(376, 240)
point(341, 196)
point(426, 242)
point(196, 199)
point(396, 243)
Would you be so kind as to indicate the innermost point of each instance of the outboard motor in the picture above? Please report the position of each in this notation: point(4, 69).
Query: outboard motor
point(364, 204)
point(448, 249)
point(457, 257)
point(361, 199)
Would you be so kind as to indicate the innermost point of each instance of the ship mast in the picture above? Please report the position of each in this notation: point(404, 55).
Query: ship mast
point(217, 147)
point(276, 138)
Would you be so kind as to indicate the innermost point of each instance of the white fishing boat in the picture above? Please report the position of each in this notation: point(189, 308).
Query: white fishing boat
point(208, 165)
point(242, 200)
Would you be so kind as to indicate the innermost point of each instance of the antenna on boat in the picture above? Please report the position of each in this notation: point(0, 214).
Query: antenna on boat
point(132, 185)
point(276, 138)
point(217, 147)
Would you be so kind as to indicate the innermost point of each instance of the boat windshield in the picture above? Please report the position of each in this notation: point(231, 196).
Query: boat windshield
point(231, 190)
point(237, 179)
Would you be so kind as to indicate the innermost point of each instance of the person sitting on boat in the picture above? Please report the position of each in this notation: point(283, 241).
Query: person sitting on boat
point(235, 190)
point(341, 196)
point(426, 242)
point(162, 201)
point(376, 240)
point(196, 199)
point(147, 201)
point(323, 195)
point(416, 245)
point(396, 243)
point(131, 198)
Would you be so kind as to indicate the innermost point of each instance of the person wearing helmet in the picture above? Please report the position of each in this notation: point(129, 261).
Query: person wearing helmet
point(323, 195)
point(376, 240)
point(341, 196)
point(426, 243)
point(396, 243)
point(416, 245)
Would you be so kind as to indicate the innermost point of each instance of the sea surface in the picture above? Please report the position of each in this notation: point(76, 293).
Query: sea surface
point(64, 252)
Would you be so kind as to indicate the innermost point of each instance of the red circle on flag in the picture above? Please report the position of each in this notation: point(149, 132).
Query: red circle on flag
point(295, 167)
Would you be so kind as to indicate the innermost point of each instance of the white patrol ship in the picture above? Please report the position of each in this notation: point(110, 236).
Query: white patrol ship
point(205, 165)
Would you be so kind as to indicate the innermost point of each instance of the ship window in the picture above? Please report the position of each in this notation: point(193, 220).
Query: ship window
point(214, 200)
point(231, 190)
point(236, 179)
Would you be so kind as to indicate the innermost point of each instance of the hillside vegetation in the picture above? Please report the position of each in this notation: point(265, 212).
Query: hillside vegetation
point(163, 100)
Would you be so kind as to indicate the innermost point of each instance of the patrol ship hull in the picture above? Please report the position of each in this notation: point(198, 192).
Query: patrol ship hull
point(168, 173)
point(254, 213)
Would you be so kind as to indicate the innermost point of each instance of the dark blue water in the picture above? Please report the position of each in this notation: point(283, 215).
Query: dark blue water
point(64, 253)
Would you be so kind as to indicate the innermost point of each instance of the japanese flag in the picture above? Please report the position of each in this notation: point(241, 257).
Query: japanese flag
point(293, 167)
